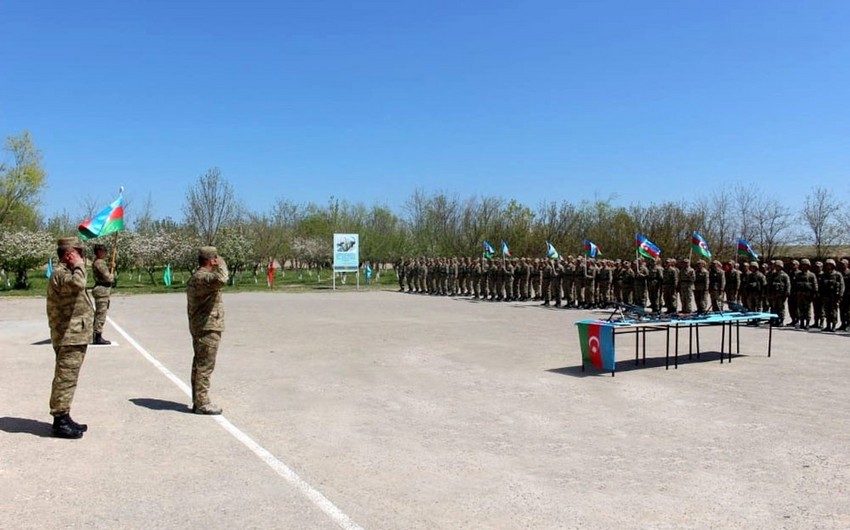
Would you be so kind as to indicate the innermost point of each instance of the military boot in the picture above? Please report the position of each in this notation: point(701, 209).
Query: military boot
point(209, 409)
point(82, 427)
point(64, 428)
point(99, 340)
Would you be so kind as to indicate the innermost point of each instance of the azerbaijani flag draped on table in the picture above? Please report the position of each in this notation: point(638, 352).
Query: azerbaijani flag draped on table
point(489, 251)
point(166, 275)
point(597, 344)
point(647, 248)
point(505, 250)
point(700, 245)
point(591, 249)
point(745, 250)
point(108, 221)
point(551, 252)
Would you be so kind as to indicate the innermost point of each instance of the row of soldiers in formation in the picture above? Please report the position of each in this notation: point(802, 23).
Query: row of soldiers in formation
point(814, 295)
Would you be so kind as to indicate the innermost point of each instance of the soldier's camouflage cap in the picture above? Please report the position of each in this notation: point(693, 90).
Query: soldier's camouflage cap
point(830, 261)
point(69, 242)
point(779, 263)
point(207, 252)
point(99, 246)
point(754, 264)
point(805, 261)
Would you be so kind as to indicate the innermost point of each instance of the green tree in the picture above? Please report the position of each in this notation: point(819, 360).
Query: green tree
point(21, 182)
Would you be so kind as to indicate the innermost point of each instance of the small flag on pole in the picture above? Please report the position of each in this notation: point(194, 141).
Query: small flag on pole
point(166, 275)
point(647, 248)
point(107, 221)
point(591, 249)
point(49, 271)
point(700, 245)
point(489, 251)
point(745, 250)
point(505, 250)
point(551, 252)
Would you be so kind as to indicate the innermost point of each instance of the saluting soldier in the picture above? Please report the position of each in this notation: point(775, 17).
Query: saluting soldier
point(103, 279)
point(206, 323)
point(70, 317)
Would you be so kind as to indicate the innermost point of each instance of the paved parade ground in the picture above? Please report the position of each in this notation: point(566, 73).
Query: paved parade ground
point(383, 410)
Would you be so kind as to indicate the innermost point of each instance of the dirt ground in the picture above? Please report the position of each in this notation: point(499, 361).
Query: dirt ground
point(378, 409)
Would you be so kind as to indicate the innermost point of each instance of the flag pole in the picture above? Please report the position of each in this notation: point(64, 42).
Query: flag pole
point(115, 240)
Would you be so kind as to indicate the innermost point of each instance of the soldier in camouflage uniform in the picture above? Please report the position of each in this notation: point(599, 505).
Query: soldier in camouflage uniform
point(653, 285)
point(754, 285)
point(102, 289)
point(687, 277)
point(627, 282)
point(817, 302)
point(547, 270)
point(399, 271)
point(670, 286)
point(70, 316)
point(831, 293)
point(603, 278)
point(589, 283)
point(701, 283)
point(792, 298)
point(805, 288)
point(778, 290)
point(641, 282)
point(844, 305)
point(733, 283)
point(206, 323)
point(716, 285)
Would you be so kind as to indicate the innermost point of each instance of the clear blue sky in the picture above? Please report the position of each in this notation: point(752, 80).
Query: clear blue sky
point(367, 101)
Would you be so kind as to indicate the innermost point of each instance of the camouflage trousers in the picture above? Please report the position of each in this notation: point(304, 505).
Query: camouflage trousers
point(206, 348)
point(803, 305)
point(685, 297)
point(830, 309)
point(101, 305)
point(670, 298)
point(701, 300)
point(69, 360)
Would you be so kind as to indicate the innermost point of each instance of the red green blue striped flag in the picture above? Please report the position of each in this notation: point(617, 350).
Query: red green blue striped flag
point(107, 221)
point(591, 249)
point(597, 344)
point(647, 248)
point(700, 245)
point(505, 250)
point(744, 249)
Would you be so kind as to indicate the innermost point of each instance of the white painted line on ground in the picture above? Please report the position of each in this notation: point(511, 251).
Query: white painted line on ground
point(315, 496)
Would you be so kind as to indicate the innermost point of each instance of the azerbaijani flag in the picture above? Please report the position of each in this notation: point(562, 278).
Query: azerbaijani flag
point(647, 248)
point(597, 344)
point(49, 271)
point(744, 249)
point(591, 249)
point(166, 275)
point(505, 250)
point(700, 245)
point(489, 251)
point(108, 221)
point(551, 252)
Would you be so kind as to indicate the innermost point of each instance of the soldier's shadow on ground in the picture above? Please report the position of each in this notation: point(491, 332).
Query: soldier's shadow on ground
point(161, 404)
point(41, 342)
point(629, 365)
point(26, 426)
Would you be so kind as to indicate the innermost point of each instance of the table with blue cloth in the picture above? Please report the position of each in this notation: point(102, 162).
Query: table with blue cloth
point(597, 338)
